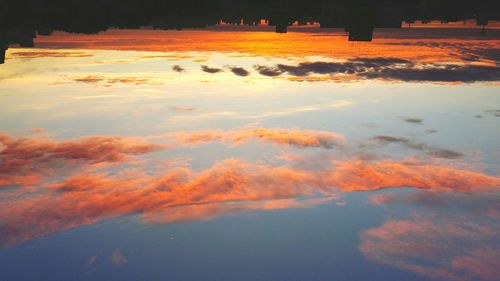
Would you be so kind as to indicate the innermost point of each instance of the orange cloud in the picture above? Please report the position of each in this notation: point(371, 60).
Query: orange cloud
point(182, 194)
point(227, 186)
point(25, 159)
point(86, 192)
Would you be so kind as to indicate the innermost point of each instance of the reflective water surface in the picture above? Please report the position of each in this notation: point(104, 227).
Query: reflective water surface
point(224, 154)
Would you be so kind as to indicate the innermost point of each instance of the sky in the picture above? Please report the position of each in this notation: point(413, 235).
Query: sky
point(229, 155)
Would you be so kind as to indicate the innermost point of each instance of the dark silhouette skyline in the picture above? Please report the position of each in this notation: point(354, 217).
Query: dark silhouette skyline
point(22, 20)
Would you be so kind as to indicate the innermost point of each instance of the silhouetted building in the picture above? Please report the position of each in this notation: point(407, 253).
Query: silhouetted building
point(281, 15)
point(360, 20)
point(21, 20)
point(388, 14)
point(3, 51)
point(333, 14)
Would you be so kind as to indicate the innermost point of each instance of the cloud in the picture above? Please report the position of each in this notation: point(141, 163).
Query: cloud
point(298, 138)
point(358, 175)
point(208, 69)
point(451, 235)
point(50, 54)
point(393, 69)
point(117, 258)
point(85, 180)
point(382, 140)
point(92, 264)
point(212, 210)
point(25, 160)
point(494, 112)
point(90, 79)
point(91, 261)
point(182, 108)
point(412, 120)
point(381, 62)
point(443, 153)
point(128, 80)
point(178, 68)
point(109, 81)
point(300, 109)
point(88, 198)
point(240, 71)
point(352, 66)
point(445, 248)
point(268, 71)
point(489, 54)
point(229, 186)
point(478, 203)
point(440, 73)
point(37, 130)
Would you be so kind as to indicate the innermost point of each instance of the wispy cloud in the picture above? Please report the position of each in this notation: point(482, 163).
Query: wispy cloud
point(109, 81)
point(432, 151)
point(298, 109)
point(494, 112)
point(478, 203)
point(91, 264)
point(445, 248)
point(182, 108)
point(117, 258)
point(293, 137)
point(50, 54)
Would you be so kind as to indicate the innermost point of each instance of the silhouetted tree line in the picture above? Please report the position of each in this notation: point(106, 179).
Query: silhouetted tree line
point(21, 20)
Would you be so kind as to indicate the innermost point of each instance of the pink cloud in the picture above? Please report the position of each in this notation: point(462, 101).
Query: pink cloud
point(293, 137)
point(438, 248)
point(84, 194)
point(358, 175)
point(26, 159)
point(117, 258)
